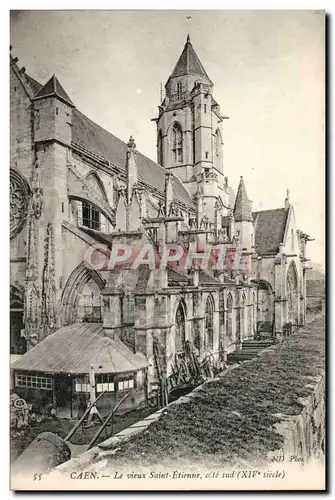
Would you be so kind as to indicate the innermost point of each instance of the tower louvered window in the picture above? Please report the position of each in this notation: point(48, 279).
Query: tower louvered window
point(179, 90)
point(177, 144)
point(160, 148)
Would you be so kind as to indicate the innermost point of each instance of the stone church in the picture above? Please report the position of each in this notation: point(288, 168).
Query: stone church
point(75, 186)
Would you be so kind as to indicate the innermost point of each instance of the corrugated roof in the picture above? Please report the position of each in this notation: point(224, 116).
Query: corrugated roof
point(189, 63)
point(269, 229)
point(242, 209)
point(73, 348)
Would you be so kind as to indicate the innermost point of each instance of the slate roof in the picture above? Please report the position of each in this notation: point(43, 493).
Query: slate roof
point(53, 88)
point(189, 63)
point(73, 348)
point(206, 279)
point(94, 138)
point(35, 86)
point(269, 229)
point(242, 209)
point(177, 277)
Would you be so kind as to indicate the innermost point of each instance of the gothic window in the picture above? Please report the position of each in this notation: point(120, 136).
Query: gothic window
point(95, 183)
point(230, 318)
point(209, 329)
point(292, 294)
point(179, 90)
point(160, 149)
point(177, 144)
point(217, 150)
point(243, 317)
point(180, 329)
point(90, 216)
point(89, 303)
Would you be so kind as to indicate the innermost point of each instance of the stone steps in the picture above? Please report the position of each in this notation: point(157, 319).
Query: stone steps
point(250, 349)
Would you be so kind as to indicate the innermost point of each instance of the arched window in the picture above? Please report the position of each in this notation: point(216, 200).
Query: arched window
point(292, 294)
point(180, 328)
point(88, 307)
point(209, 329)
point(243, 317)
point(160, 148)
point(179, 90)
point(177, 144)
point(218, 150)
point(90, 216)
point(96, 184)
point(230, 317)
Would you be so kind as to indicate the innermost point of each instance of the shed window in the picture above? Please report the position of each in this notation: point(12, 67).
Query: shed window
point(33, 381)
point(139, 378)
point(105, 382)
point(126, 383)
point(81, 384)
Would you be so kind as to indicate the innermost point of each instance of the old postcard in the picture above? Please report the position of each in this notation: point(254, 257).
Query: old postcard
point(167, 319)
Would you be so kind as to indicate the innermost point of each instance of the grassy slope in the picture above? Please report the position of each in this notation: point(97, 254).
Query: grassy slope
point(206, 429)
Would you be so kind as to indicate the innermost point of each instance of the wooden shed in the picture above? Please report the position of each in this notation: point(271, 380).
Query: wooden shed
point(55, 373)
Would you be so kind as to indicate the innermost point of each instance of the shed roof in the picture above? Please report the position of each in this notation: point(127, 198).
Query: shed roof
point(74, 348)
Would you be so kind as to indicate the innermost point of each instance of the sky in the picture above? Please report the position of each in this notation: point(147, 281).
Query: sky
point(268, 73)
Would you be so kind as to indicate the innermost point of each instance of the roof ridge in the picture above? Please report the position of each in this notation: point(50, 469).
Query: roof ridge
point(137, 151)
point(269, 210)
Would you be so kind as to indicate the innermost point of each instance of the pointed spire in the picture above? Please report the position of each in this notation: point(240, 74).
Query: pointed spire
point(189, 63)
point(287, 199)
point(242, 209)
point(53, 89)
point(131, 167)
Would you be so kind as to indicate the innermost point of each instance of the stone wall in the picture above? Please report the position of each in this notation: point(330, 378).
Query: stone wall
point(304, 434)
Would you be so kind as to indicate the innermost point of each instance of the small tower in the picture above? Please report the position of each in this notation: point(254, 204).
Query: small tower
point(244, 226)
point(189, 126)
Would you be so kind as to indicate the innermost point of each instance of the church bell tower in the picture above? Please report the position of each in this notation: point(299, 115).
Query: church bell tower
point(189, 125)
